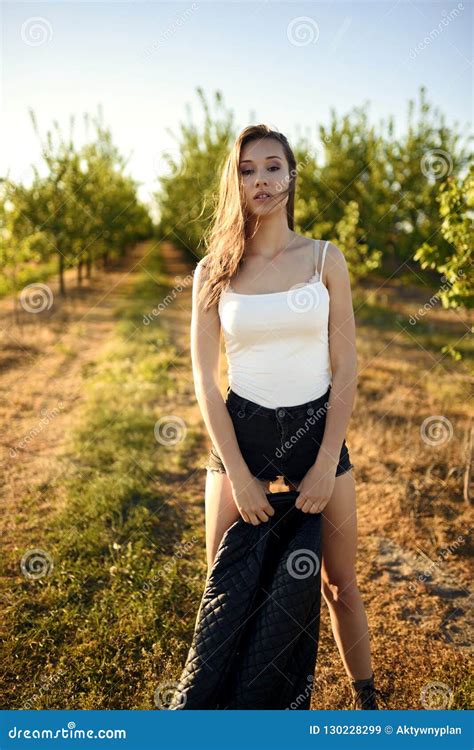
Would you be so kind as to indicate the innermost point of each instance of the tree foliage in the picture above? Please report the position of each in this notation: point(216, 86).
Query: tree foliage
point(81, 207)
point(372, 193)
point(453, 258)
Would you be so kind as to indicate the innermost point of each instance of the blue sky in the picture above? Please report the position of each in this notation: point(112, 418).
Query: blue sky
point(284, 63)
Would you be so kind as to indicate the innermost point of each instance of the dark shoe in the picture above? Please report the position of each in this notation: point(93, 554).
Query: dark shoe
point(365, 694)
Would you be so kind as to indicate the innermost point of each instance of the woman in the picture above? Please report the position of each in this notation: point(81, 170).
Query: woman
point(289, 332)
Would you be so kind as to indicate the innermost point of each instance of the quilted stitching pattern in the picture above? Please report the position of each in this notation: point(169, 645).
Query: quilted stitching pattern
point(256, 635)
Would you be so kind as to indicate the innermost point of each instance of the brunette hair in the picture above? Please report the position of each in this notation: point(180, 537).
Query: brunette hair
point(229, 229)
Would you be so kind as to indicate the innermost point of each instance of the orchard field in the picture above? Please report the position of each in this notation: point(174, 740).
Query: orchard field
point(103, 445)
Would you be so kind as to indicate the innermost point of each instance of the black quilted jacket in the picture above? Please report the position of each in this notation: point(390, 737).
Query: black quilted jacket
point(256, 635)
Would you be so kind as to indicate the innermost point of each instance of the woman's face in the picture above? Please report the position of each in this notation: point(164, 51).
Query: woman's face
point(264, 169)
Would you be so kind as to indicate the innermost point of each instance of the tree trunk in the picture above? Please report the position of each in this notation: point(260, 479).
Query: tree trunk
point(16, 310)
point(62, 286)
point(467, 470)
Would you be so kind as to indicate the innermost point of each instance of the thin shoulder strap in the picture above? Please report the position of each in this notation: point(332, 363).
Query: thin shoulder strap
point(315, 256)
point(324, 257)
point(316, 244)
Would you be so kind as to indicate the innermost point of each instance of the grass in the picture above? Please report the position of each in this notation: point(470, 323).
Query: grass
point(124, 528)
point(376, 311)
point(99, 628)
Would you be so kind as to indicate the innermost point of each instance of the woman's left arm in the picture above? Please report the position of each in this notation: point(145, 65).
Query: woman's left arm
point(342, 353)
point(317, 486)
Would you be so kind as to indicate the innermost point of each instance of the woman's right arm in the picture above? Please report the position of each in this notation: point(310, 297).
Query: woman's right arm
point(251, 499)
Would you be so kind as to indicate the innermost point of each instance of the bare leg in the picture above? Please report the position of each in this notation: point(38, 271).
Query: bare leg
point(221, 511)
point(339, 584)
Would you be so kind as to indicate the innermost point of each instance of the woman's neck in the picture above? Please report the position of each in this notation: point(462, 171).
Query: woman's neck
point(271, 238)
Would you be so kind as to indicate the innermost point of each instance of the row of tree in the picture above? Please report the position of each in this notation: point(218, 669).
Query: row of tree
point(388, 202)
point(81, 207)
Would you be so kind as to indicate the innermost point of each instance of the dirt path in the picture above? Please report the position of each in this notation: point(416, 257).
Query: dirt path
point(42, 370)
point(409, 493)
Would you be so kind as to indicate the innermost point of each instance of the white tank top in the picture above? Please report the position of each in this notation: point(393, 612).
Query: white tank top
point(277, 344)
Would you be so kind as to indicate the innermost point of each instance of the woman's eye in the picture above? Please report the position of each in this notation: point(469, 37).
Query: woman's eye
point(245, 172)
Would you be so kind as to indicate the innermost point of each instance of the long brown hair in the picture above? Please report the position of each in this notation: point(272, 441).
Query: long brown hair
point(225, 239)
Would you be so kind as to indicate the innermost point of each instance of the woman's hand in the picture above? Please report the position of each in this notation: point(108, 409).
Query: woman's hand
point(251, 499)
point(317, 486)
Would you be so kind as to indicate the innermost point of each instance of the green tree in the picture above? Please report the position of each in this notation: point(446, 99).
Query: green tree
point(453, 258)
point(186, 198)
point(82, 207)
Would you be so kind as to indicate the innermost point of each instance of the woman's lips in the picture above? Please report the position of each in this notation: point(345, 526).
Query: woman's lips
point(262, 198)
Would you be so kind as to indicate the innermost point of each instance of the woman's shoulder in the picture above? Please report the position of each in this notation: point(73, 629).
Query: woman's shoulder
point(203, 263)
point(334, 254)
point(204, 260)
point(201, 272)
point(335, 264)
point(332, 249)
